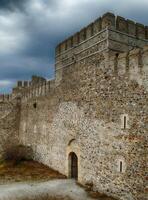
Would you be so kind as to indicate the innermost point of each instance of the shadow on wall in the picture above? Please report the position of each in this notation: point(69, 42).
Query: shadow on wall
point(17, 153)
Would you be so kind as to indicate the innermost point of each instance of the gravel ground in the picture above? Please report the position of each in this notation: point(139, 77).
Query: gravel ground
point(53, 188)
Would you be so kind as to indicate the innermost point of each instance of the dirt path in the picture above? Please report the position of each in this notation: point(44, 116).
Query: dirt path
point(18, 191)
point(27, 171)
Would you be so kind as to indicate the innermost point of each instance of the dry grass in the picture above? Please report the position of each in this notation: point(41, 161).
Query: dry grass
point(101, 196)
point(47, 197)
point(27, 171)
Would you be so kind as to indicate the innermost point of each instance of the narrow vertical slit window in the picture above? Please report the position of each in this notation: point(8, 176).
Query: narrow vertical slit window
point(35, 105)
point(125, 122)
point(121, 166)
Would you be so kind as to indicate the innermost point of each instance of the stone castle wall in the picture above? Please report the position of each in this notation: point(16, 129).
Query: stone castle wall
point(9, 123)
point(95, 107)
point(84, 114)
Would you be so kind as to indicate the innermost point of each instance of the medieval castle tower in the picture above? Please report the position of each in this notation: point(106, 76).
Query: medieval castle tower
point(89, 122)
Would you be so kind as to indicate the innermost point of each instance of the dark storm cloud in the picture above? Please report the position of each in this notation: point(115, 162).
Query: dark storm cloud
point(30, 30)
point(12, 4)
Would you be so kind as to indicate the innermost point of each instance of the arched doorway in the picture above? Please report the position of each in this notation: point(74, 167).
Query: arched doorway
point(73, 165)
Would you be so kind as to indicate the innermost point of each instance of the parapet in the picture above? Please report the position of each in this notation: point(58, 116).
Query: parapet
point(108, 20)
point(97, 26)
point(37, 80)
point(37, 87)
point(146, 32)
point(133, 64)
point(140, 31)
point(131, 27)
point(121, 24)
point(5, 97)
point(22, 84)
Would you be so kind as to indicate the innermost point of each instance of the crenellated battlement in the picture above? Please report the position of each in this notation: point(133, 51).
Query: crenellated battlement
point(34, 91)
point(37, 87)
point(23, 84)
point(35, 80)
point(108, 20)
point(6, 97)
point(133, 64)
point(107, 34)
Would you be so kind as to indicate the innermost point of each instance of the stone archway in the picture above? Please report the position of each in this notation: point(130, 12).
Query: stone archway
point(73, 165)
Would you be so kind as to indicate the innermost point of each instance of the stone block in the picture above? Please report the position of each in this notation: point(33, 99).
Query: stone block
point(135, 65)
point(58, 49)
point(108, 20)
point(121, 24)
point(140, 31)
point(19, 84)
point(131, 26)
point(97, 26)
point(145, 49)
point(37, 80)
point(89, 30)
point(25, 83)
point(145, 58)
point(69, 43)
point(82, 35)
point(76, 39)
point(134, 52)
point(62, 46)
point(122, 63)
point(146, 32)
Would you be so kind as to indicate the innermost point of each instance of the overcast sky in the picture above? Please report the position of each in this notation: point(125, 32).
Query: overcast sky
point(30, 30)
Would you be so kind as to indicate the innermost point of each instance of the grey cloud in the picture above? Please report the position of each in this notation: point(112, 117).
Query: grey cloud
point(24, 67)
point(13, 4)
point(47, 22)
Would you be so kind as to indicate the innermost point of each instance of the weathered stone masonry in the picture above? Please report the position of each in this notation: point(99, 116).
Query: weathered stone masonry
point(96, 107)
point(9, 122)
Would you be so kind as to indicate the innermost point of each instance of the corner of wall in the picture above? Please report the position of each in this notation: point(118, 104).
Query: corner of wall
point(108, 20)
point(133, 64)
